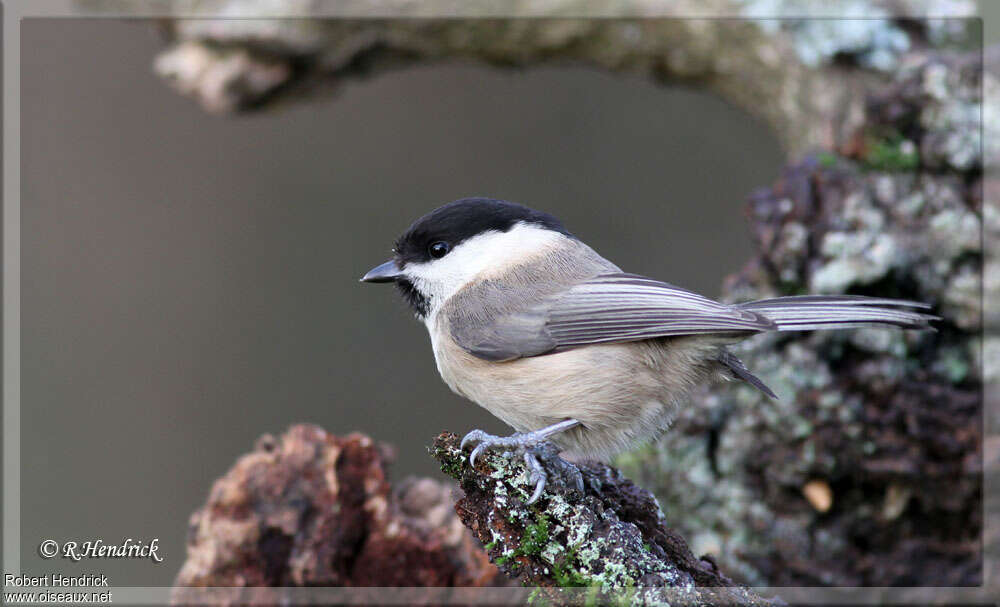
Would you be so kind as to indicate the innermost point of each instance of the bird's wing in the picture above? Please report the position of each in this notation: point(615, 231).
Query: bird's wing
point(613, 307)
point(629, 307)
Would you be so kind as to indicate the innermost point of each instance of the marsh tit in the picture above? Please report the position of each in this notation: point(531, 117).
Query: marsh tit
point(529, 322)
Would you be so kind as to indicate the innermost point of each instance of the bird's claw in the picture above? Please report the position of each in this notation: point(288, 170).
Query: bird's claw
point(485, 442)
point(538, 454)
point(536, 475)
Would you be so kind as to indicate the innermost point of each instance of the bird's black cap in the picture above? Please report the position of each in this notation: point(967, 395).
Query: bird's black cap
point(463, 219)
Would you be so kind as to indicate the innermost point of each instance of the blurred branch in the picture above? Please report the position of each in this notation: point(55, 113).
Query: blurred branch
point(807, 79)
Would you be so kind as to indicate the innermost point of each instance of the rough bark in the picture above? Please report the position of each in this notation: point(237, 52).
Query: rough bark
point(868, 469)
point(314, 509)
point(611, 537)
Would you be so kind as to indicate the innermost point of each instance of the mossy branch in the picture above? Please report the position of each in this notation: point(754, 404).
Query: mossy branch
point(611, 538)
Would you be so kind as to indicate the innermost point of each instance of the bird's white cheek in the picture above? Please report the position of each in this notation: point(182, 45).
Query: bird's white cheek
point(440, 281)
point(479, 257)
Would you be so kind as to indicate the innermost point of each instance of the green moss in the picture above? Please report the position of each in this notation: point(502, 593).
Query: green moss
point(827, 160)
point(565, 572)
point(452, 470)
point(490, 546)
point(891, 152)
point(535, 538)
point(451, 464)
point(569, 577)
point(538, 598)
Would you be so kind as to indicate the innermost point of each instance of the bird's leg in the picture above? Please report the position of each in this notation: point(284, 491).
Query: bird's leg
point(518, 440)
point(537, 451)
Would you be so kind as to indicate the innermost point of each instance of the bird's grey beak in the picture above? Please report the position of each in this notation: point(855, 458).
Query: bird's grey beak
point(386, 272)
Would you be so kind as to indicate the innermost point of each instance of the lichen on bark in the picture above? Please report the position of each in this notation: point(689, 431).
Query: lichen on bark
point(613, 537)
point(867, 469)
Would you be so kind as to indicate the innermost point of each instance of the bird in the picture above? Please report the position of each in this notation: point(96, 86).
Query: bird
point(529, 322)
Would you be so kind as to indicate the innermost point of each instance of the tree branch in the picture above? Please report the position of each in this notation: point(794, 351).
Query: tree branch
point(613, 536)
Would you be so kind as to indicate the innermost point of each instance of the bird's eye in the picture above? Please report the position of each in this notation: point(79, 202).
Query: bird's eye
point(438, 249)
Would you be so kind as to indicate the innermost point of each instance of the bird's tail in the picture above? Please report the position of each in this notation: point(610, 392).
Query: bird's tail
point(809, 312)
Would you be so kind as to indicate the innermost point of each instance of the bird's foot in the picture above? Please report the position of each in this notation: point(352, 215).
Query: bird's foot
point(541, 457)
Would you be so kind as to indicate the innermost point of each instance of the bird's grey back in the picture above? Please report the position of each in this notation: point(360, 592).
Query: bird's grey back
point(504, 317)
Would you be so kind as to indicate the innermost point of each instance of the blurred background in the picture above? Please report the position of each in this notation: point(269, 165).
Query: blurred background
point(190, 281)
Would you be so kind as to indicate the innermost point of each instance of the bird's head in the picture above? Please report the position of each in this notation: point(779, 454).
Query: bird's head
point(463, 241)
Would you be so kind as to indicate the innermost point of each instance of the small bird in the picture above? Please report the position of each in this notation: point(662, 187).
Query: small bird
point(532, 324)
